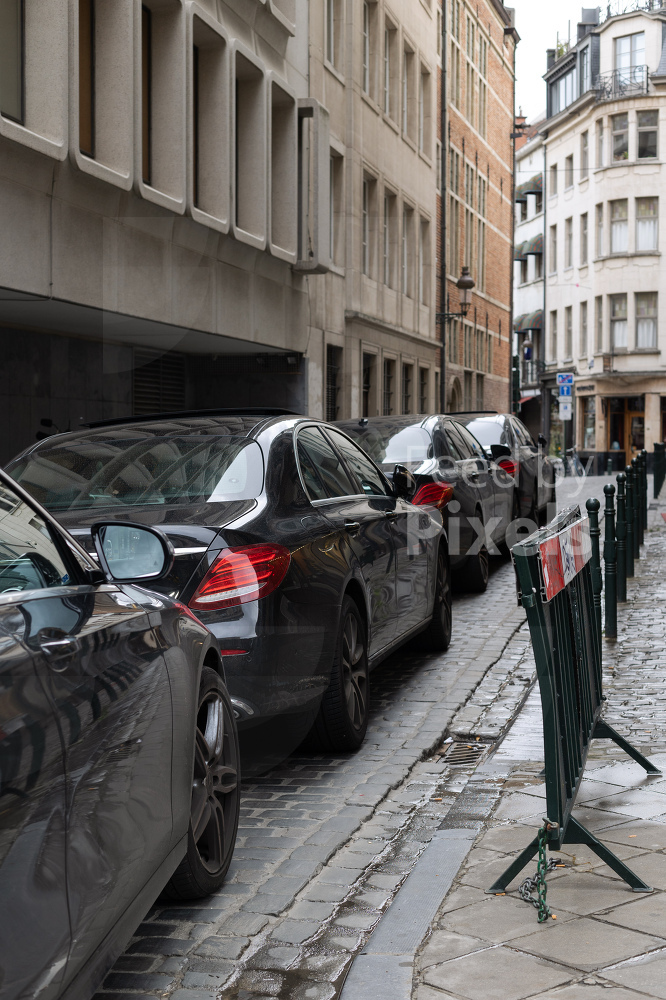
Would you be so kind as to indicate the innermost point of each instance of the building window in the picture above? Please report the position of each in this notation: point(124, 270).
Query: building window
point(538, 203)
point(618, 318)
point(583, 239)
point(646, 319)
point(647, 223)
point(630, 57)
point(333, 31)
point(406, 389)
point(619, 226)
point(553, 179)
point(424, 262)
point(407, 251)
point(366, 47)
point(589, 423)
point(390, 61)
point(369, 361)
point(468, 358)
point(600, 142)
point(387, 393)
point(523, 271)
point(365, 232)
point(599, 230)
point(599, 323)
point(552, 262)
point(12, 60)
point(568, 332)
point(583, 330)
point(648, 124)
point(146, 95)
point(336, 220)
point(523, 210)
point(563, 92)
point(620, 137)
point(568, 243)
point(86, 76)
point(553, 335)
point(388, 239)
point(585, 70)
point(568, 172)
point(423, 390)
point(584, 155)
point(333, 365)
point(424, 112)
point(538, 265)
point(454, 235)
point(407, 92)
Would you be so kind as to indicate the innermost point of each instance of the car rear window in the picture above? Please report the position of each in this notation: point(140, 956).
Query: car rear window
point(487, 432)
point(392, 446)
point(127, 468)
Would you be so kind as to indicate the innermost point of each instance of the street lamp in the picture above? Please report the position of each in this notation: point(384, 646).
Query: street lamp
point(464, 284)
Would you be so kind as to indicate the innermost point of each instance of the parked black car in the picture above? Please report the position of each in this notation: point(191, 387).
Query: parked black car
point(118, 748)
point(452, 472)
point(528, 462)
point(291, 546)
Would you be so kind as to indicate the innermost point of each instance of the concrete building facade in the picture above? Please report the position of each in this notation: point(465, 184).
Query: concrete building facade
point(478, 190)
point(373, 345)
point(605, 316)
point(163, 202)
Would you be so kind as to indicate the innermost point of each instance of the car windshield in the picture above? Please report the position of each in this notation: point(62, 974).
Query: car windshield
point(487, 431)
point(392, 445)
point(131, 467)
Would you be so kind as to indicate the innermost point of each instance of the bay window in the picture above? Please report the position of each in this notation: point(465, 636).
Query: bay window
point(646, 319)
point(646, 223)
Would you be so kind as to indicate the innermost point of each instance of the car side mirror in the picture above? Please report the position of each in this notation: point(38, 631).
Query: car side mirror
point(543, 441)
point(404, 483)
point(132, 553)
point(500, 451)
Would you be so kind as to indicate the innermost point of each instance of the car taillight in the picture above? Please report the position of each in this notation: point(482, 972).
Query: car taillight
point(433, 495)
point(509, 466)
point(241, 574)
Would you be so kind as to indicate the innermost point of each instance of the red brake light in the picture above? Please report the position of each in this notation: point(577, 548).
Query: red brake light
point(433, 495)
point(240, 575)
point(509, 466)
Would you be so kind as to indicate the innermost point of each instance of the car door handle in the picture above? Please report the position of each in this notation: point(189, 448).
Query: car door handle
point(390, 515)
point(352, 526)
point(55, 649)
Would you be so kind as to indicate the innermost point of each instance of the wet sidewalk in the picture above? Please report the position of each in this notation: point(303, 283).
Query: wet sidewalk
point(606, 941)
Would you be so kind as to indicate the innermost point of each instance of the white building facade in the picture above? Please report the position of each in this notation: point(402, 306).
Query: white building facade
point(605, 306)
point(528, 277)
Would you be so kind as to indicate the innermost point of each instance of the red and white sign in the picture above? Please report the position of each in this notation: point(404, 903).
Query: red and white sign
point(564, 555)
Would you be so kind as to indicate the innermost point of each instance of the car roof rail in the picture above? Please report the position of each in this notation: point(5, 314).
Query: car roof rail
point(236, 411)
point(478, 413)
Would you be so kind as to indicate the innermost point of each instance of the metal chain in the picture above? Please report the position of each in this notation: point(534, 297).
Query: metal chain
point(538, 880)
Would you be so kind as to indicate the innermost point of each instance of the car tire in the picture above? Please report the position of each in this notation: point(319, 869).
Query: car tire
point(342, 719)
point(211, 833)
point(474, 575)
point(437, 636)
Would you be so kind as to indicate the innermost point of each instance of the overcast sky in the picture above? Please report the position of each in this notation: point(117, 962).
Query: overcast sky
point(538, 22)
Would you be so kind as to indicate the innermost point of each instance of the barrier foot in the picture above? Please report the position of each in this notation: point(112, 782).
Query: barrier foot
point(605, 732)
point(515, 868)
point(577, 834)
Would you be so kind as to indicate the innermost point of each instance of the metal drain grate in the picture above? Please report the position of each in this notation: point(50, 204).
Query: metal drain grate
point(461, 754)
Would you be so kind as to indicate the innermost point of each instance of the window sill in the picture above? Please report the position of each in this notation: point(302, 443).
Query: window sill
point(410, 142)
point(569, 267)
point(627, 163)
point(645, 350)
point(584, 180)
point(336, 269)
point(371, 102)
point(334, 72)
point(627, 254)
point(391, 122)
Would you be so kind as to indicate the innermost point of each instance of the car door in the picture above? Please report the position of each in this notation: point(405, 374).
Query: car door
point(528, 456)
point(97, 653)
point(359, 523)
point(477, 474)
point(409, 528)
point(35, 930)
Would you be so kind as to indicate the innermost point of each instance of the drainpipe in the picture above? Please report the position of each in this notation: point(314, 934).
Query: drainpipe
point(442, 217)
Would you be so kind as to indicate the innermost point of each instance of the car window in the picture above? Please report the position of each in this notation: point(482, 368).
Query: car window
point(488, 431)
point(454, 446)
point(442, 447)
point(454, 435)
point(470, 441)
point(29, 558)
point(372, 481)
point(522, 433)
point(324, 475)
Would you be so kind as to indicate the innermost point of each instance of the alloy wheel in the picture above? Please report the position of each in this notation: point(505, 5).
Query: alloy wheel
point(215, 784)
point(354, 674)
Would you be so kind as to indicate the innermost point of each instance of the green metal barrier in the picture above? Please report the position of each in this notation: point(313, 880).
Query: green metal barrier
point(621, 538)
point(637, 508)
point(555, 586)
point(659, 467)
point(644, 488)
point(610, 564)
point(629, 510)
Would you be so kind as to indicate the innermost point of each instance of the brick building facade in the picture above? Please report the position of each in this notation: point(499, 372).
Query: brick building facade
point(477, 184)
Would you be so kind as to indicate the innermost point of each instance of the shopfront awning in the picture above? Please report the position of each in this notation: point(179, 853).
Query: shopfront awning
point(519, 252)
point(533, 186)
point(534, 246)
point(529, 321)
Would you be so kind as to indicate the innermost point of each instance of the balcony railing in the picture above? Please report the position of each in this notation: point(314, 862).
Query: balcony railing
point(622, 83)
point(617, 7)
point(530, 371)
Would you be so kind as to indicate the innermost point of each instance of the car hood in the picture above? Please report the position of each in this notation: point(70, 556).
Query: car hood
point(190, 528)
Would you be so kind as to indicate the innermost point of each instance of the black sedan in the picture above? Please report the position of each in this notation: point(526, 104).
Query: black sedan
point(528, 462)
point(118, 748)
point(452, 472)
point(291, 546)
